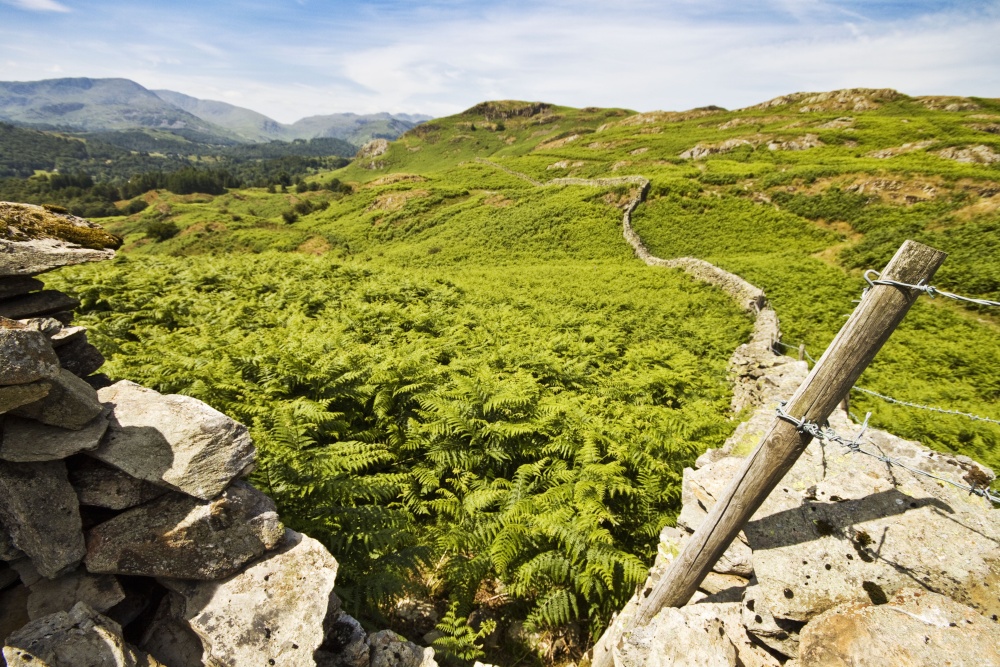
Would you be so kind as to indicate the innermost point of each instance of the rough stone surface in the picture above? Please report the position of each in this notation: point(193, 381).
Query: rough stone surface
point(171, 640)
point(101, 592)
point(80, 357)
point(173, 440)
point(387, 649)
point(37, 304)
point(30, 257)
point(78, 638)
point(859, 530)
point(760, 623)
point(272, 611)
point(13, 611)
point(684, 637)
point(99, 485)
point(8, 551)
point(914, 628)
point(8, 576)
point(182, 537)
point(40, 509)
point(25, 440)
point(346, 643)
point(18, 285)
point(16, 395)
point(25, 356)
point(71, 403)
point(67, 335)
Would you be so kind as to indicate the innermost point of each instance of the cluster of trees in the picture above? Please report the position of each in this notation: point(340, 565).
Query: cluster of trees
point(92, 173)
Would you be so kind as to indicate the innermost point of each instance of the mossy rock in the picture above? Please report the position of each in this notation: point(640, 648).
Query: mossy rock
point(26, 222)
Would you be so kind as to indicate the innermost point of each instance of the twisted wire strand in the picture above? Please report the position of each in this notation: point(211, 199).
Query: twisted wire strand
point(929, 408)
point(929, 290)
point(854, 445)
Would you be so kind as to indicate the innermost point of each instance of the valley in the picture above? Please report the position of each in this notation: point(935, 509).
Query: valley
point(463, 382)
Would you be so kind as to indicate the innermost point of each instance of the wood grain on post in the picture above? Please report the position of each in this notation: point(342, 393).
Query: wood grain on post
point(868, 328)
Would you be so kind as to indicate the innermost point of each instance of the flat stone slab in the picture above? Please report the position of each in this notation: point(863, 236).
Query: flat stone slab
point(914, 628)
point(173, 440)
point(37, 304)
point(99, 485)
point(71, 403)
point(25, 356)
point(16, 395)
point(78, 356)
point(181, 537)
point(41, 511)
point(34, 239)
point(18, 285)
point(25, 440)
point(271, 612)
point(78, 638)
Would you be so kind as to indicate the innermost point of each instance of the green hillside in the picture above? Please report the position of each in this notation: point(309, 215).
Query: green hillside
point(461, 379)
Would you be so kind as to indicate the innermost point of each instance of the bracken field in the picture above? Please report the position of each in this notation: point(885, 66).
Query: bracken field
point(459, 377)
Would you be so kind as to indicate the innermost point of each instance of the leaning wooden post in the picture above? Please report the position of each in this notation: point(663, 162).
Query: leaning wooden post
point(875, 318)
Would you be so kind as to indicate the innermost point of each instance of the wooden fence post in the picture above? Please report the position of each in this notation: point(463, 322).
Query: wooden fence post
point(802, 352)
point(875, 318)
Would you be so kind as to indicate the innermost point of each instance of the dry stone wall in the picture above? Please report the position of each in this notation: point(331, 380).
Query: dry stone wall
point(128, 535)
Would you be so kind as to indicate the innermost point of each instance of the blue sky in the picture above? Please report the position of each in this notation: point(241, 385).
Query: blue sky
point(295, 58)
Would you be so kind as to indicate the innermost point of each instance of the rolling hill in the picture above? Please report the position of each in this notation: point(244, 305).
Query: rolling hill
point(460, 377)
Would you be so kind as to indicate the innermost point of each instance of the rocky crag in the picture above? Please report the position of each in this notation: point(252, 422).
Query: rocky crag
point(128, 535)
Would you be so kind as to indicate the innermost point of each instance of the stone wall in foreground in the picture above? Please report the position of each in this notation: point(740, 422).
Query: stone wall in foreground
point(848, 562)
point(128, 535)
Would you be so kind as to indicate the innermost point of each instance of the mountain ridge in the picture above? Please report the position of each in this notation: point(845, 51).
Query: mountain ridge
point(83, 104)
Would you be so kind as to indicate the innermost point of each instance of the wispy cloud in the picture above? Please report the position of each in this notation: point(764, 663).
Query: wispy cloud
point(441, 56)
point(39, 5)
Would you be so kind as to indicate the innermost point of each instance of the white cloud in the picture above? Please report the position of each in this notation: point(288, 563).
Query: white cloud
point(39, 5)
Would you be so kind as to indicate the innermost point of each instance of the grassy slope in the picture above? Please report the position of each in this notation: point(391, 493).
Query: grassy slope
point(801, 224)
point(550, 266)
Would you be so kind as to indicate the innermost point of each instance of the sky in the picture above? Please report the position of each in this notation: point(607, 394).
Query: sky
point(294, 58)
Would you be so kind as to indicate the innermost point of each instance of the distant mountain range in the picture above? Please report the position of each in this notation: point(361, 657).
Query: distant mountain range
point(111, 105)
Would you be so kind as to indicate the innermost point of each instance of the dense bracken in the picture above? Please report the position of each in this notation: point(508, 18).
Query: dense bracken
point(475, 394)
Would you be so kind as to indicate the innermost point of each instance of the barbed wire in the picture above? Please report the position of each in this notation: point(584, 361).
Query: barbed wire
point(929, 290)
point(854, 445)
point(929, 408)
point(898, 401)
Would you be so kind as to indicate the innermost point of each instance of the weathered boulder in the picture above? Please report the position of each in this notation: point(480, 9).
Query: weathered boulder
point(182, 537)
point(27, 440)
point(16, 395)
point(271, 612)
point(78, 356)
point(47, 596)
point(25, 356)
point(18, 285)
point(173, 440)
point(37, 304)
point(71, 403)
point(387, 649)
point(40, 509)
point(78, 638)
point(914, 628)
point(99, 485)
point(780, 635)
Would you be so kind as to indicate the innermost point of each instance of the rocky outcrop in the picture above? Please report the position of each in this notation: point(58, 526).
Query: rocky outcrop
point(825, 572)
point(127, 533)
